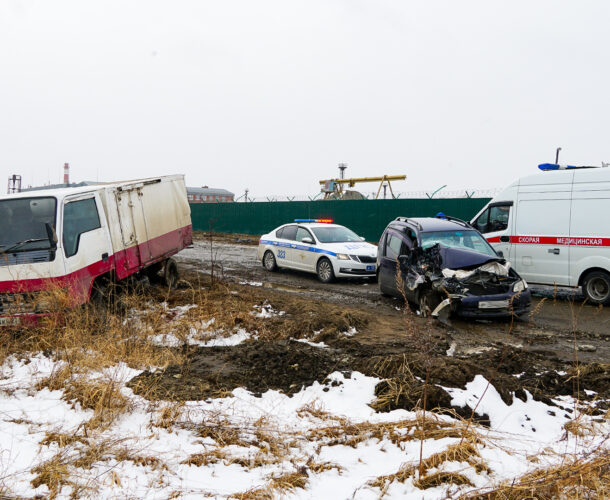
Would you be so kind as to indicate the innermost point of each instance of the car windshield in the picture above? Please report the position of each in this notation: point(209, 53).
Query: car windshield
point(464, 240)
point(23, 223)
point(334, 234)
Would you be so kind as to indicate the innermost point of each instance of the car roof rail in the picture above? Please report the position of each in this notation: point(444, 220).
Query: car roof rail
point(455, 219)
point(410, 221)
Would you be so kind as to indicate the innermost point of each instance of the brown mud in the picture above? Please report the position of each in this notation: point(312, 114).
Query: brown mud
point(395, 345)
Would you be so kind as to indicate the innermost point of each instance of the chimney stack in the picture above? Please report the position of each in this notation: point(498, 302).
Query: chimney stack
point(67, 174)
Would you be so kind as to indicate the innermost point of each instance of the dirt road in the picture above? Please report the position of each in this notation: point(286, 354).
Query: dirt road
point(560, 322)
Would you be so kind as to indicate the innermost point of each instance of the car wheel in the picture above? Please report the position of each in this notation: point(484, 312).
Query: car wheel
point(428, 300)
point(269, 261)
point(325, 271)
point(596, 287)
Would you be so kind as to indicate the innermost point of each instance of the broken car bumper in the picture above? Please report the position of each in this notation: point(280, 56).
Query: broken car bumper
point(495, 306)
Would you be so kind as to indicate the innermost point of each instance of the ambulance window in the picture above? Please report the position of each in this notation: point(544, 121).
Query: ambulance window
point(495, 218)
point(79, 217)
point(393, 246)
point(289, 233)
point(498, 217)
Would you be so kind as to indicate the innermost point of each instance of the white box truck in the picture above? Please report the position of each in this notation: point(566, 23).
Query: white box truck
point(554, 227)
point(73, 238)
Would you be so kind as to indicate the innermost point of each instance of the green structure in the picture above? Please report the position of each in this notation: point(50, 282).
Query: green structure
point(368, 218)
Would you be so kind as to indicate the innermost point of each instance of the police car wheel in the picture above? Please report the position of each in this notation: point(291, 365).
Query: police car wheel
point(596, 287)
point(269, 261)
point(325, 271)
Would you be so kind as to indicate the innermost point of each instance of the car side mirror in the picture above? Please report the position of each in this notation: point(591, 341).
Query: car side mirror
point(500, 253)
point(362, 238)
point(308, 240)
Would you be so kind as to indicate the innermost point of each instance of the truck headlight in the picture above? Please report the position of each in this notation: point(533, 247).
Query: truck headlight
point(342, 256)
point(519, 286)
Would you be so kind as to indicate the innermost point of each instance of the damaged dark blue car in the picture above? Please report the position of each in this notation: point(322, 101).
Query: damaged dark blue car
point(444, 266)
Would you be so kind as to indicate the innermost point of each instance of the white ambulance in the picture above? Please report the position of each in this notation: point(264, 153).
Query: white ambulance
point(554, 227)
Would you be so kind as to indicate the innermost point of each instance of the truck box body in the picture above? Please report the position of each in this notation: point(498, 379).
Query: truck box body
point(553, 226)
point(112, 230)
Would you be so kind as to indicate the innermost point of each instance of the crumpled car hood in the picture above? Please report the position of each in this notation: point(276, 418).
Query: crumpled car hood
point(455, 258)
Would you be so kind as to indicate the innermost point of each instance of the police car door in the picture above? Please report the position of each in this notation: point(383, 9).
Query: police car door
point(496, 223)
point(304, 256)
point(286, 246)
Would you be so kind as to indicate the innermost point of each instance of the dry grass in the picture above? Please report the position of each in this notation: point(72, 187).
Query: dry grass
point(576, 478)
point(169, 416)
point(61, 439)
point(464, 451)
point(102, 396)
point(62, 470)
point(53, 474)
point(348, 434)
point(282, 484)
point(440, 479)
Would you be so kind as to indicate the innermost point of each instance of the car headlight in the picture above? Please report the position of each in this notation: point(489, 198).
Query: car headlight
point(342, 256)
point(519, 286)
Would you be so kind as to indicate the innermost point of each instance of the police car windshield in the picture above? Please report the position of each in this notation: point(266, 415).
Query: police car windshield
point(464, 240)
point(336, 234)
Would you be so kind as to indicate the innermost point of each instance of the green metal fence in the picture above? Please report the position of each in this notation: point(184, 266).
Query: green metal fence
point(368, 218)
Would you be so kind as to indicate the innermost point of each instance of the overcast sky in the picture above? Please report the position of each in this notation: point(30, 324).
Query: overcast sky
point(271, 95)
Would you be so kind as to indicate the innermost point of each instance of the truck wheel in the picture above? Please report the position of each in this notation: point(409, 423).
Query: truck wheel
point(325, 271)
point(170, 273)
point(152, 272)
point(596, 287)
point(269, 261)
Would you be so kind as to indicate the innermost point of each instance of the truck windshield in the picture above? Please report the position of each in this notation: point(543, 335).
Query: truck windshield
point(464, 240)
point(334, 234)
point(23, 224)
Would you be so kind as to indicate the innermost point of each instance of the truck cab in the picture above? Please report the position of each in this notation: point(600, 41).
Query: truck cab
point(70, 237)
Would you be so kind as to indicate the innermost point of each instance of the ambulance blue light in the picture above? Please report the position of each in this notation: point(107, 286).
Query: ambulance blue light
point(554, 166)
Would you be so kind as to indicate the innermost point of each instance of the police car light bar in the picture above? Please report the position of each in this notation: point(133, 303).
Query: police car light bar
point(554, 166)
point(319, 221)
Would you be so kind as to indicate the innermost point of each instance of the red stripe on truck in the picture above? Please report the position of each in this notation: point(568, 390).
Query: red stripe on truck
point(79, 282)
point(582, 241)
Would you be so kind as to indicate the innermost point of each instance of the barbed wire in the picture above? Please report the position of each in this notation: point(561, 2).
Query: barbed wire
point(403, 195)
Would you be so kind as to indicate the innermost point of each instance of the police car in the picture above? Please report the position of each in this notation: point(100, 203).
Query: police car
point(318, 246)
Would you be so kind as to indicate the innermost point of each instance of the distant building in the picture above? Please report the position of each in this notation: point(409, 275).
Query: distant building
point(208, 195)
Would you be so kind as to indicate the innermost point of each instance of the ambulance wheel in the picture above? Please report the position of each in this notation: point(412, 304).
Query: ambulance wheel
point(325, 271)
point(170, 273)
point(269, 261)
point(596, 287)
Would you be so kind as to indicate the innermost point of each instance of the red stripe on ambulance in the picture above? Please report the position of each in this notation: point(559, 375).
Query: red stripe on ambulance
point(584, 241)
